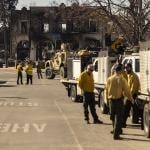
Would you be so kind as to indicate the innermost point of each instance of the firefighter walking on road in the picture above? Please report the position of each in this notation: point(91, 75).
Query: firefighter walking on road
point(39, 70)
point(116, 89)
point(86, 83)
point(29, 72)
point(19, 73)
point(134, 85)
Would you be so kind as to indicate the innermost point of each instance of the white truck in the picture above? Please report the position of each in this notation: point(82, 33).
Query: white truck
point(102, 70)
point(145, 85)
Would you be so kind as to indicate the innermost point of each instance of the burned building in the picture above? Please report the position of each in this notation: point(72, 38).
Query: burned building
point(38, 31)
point(20, 34)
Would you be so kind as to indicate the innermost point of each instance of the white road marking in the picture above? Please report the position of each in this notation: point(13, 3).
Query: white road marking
point(4, 127)
point(18, 104)
point(39, 128)
point(14, 128)
point(69, 126)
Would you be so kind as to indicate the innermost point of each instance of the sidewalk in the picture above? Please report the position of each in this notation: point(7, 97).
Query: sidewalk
point(14, 69)
point(8, 69)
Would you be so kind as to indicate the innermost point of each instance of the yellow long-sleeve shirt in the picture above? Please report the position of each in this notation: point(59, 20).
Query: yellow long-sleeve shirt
point(117, 87)
point(29, 69)
point(19, 68)
point(86, 82)
point(124, 74)
point(133, 83)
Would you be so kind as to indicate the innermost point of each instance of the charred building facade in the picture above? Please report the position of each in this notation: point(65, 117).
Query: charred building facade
point(20, 34)
point(36, 32)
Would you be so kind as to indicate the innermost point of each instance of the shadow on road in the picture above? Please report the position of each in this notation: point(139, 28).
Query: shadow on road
point(7, 85)
point(134, 134)
point(3, 82)
point(108, 124)
point(14, 97)
point(134, 126)
point(42, 84)
point(133, 139)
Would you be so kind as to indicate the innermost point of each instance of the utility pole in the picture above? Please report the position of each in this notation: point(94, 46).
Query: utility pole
point(5, 46)
point(5, 37)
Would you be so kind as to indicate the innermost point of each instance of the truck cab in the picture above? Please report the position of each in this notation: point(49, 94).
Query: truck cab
point(134, 60)
point(102, 70)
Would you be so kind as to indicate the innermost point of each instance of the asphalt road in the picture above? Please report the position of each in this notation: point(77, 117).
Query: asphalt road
point(42, 117)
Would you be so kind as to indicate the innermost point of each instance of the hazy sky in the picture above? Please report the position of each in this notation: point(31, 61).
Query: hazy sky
point(26, 3)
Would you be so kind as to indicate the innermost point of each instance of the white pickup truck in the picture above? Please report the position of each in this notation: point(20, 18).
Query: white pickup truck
point(102, 70)
point(145, 84)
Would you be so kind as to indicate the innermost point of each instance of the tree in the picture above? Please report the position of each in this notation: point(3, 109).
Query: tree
point(130, 17)
point(6, 6)
point(53, 3)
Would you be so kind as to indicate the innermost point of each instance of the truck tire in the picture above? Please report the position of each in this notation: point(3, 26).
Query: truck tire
point(49, 73)
point(146, 121)
point(104, 108)
point(73, 93)
point(63, 72)
point(134, 114)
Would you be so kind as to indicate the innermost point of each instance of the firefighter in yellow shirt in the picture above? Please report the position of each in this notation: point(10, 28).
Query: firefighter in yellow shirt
point(119, 62)
point(19, 73)
point(29, 72)
point(134, 85)
point(86, 83)
point(116, 89)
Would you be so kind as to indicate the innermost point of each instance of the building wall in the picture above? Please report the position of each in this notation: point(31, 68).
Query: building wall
point(46, 25)
point(20, 29)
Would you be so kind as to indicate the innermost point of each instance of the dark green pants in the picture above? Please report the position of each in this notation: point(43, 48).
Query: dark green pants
point(19, 77)
point(116, 115)
point(126, 113)
point(89, 101)
point(127, 108)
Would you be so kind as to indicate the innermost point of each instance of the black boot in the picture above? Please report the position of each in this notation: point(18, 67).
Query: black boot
point(98, 121)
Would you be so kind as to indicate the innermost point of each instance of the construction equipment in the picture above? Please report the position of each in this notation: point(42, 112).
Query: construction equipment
point(57, 64)
point(118, 45)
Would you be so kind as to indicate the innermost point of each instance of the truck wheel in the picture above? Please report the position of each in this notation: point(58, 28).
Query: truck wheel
point(104, 108)
point(146, 121)
point(73, 93)
point(49, 74)
point(134, 114)
point(62, 72)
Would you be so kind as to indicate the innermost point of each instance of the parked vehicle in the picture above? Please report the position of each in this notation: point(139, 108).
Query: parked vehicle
point(102, 70)
point(144, 96)
point(57, 64)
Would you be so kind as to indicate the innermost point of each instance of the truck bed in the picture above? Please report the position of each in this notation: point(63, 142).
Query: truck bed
point(71, 81)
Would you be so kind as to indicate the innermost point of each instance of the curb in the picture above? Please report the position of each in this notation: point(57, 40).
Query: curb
point(8, 69)
point(14, 69)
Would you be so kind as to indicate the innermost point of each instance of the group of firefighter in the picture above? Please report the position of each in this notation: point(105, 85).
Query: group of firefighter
point(121, 90)
point(29, 72)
